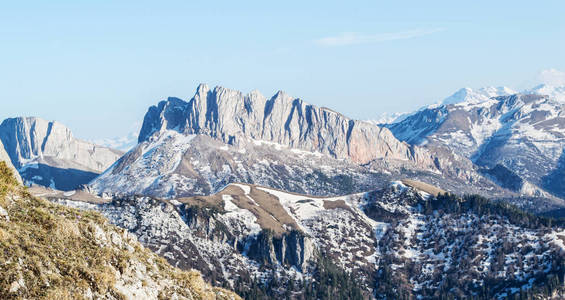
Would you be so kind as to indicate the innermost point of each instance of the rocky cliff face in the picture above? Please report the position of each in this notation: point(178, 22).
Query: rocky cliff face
point(6, 158)
point(46, 153)
point(292, 248)
point(231, 117)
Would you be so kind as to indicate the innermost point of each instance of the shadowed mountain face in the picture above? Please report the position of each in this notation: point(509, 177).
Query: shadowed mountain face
point(64, 179)
point(555, 180)
point(523, 133)
point(6, 158)
point(46, 153)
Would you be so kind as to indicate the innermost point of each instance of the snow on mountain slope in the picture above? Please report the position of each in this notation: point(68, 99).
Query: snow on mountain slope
point(247, 231)
point(389, 118)
point(153, 162)
point(524, 133)
point(467, 95)
point(554, 92)
point(46, 153)
point(492, 255)
point(176, 165)
point(463, 96)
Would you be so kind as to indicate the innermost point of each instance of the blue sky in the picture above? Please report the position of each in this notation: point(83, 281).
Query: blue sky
point(97, 66)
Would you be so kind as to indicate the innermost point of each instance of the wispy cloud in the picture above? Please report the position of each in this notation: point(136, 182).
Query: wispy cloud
point(552, 77)
point(353, 38)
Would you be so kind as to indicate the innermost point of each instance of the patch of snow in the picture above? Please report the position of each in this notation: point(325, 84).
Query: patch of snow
point(246, 189)
point(69, 193)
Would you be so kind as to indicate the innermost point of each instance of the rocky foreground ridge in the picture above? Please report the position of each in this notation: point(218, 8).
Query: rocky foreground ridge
point(49, 251)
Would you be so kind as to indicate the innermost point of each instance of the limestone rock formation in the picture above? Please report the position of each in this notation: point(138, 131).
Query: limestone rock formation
point(232, 116)
point(222, 136)
point(46, 153)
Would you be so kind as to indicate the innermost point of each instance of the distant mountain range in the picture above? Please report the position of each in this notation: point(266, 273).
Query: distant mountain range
point(474, 96)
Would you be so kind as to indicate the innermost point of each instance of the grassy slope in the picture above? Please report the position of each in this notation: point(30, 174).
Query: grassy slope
point(55, 252)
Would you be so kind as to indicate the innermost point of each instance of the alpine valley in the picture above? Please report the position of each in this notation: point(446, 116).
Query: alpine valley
point(275, 198)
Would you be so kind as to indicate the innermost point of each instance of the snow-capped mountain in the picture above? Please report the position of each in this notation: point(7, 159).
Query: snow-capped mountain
point(46, 153)
point(121, 143)
point(554, 92)
point(463, 96)
point(399, 236)
point(523, 134)
point(474, 96)
point(222, 136)
point(389, 118)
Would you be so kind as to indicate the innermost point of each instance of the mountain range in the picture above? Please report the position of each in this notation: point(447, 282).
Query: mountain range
point(517, 140)
point(278, 198)
point(222, 136)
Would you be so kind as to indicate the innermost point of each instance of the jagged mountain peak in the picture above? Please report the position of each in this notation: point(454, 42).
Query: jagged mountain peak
point(202, 88)
point(233, 117)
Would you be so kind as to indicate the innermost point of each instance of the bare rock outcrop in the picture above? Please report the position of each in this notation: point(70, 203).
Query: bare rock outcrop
point(47, 153)
point(233, 117)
